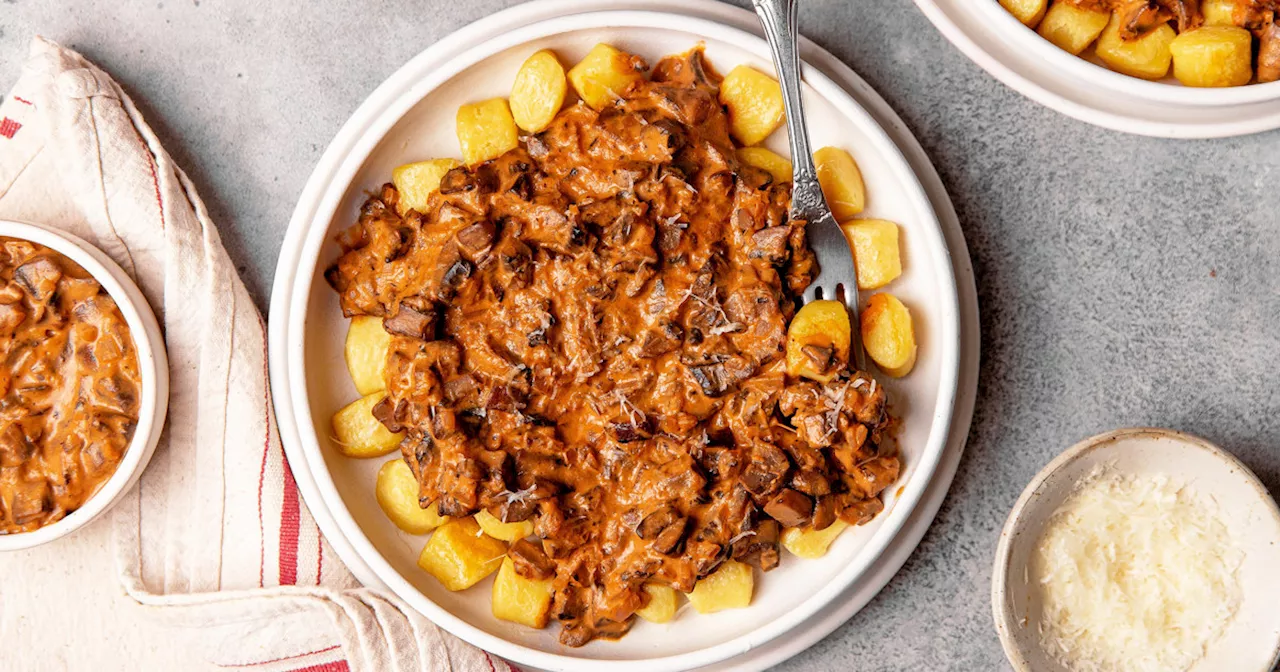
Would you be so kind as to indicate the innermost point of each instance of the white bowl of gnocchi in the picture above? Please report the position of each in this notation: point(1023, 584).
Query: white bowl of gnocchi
point(1175, 69)
point(406, 417)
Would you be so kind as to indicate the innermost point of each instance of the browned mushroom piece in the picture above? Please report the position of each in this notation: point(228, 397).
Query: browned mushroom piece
point(390, 415)
point(529, 560)
point(790, 508)
point(1269, 51)
point(766, 471)
point(820, 357)
point(415, 319)
point(664, 528)
point(1138, 17)
point(824, 512)
point(475, 240)
point(1187, 13)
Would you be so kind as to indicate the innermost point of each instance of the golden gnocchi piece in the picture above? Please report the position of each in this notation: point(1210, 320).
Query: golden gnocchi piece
point(397, 493)
point(1219, 12)
point(841, 182)
point(460, 555)
point(1071, 28)
point(662, 604)
point(888, 335)
point(605, 73)
point(486, 131)
point(754, 100)
point(1029, 12)
point(818, 341)
point(776, 165)
point(1213, 56)
point(1147, 57)
point(520, 600)
point(875, 251)
point(497, 529)
point(366, 353)
point(417, 181)
point(538, 91)
point(729, 587)
point(806, 542)
point(359, 434)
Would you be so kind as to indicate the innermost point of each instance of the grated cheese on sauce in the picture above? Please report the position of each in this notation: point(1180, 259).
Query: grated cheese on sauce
point(1137, 574)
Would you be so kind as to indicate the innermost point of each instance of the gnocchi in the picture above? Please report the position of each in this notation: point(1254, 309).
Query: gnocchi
point(818, 341)
point(754, 101)
point(460, 555)
point(604, 74)
point(729, 587)
point(538, 92)
point(486, 131)
point(888, 335)
point(841, 182)
point(397, 493)
point(365, 351)
point(359, 434)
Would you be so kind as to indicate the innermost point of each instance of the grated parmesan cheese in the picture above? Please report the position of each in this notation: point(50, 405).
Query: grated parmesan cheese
point(1136, 574)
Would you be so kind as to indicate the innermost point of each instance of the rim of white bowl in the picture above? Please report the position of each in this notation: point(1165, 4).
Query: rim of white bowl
point(347, 153)
point(153, 366)
point(1000, 611)
point(1016, 32)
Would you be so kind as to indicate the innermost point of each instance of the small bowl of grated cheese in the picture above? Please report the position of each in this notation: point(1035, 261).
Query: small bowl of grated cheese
point(1140, 550)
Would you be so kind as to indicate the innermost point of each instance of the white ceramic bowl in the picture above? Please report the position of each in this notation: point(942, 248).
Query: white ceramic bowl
point(1251, 642)
point(1087, 90)
point(411, 117)
point(153, 365)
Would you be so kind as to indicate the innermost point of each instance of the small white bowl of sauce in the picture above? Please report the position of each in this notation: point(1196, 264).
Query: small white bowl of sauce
point(1140, 549)
point(84, 384)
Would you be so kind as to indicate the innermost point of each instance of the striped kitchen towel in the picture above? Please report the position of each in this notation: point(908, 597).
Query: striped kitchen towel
point(214, 538)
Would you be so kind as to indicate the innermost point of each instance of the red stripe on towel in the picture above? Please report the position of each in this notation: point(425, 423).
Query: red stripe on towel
point(9, 127)
point(284, 658)
point(155, 182)
point(320, 561)
point(290, 519)
point(335, 666)
point(24, 101)
point(489, 659)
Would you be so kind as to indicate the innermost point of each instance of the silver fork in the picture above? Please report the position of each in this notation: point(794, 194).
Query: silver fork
point(837, 277)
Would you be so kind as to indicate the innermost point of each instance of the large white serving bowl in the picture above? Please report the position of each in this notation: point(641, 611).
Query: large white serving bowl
point(1252, 639)
point(1086, 90)
point(411, 117)
point(153, 370)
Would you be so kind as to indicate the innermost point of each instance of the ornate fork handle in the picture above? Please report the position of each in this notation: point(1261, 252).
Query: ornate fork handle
point(779, 20)
point(826, 238)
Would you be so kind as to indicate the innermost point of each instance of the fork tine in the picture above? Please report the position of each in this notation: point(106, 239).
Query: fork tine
point(850, 300)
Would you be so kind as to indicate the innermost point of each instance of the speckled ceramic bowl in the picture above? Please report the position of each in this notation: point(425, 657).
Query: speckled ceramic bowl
point(153, 365)
point(1251, 642)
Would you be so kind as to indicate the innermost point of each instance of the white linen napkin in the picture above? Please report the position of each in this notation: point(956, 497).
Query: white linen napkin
point(215, 536)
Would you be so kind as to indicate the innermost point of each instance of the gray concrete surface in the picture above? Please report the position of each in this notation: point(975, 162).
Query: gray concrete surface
point(1123, 280)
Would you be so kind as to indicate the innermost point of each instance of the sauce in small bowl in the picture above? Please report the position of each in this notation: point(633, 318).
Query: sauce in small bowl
point(83, 384)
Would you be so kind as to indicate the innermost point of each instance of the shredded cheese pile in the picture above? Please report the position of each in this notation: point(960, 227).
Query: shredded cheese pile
point(1136, 575)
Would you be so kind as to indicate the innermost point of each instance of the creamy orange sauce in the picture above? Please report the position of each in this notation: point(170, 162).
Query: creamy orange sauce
point(70, 386)
point(588, 333)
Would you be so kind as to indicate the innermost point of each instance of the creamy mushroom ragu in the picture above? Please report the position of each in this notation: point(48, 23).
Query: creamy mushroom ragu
point(588, 333)
point(70, 383)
